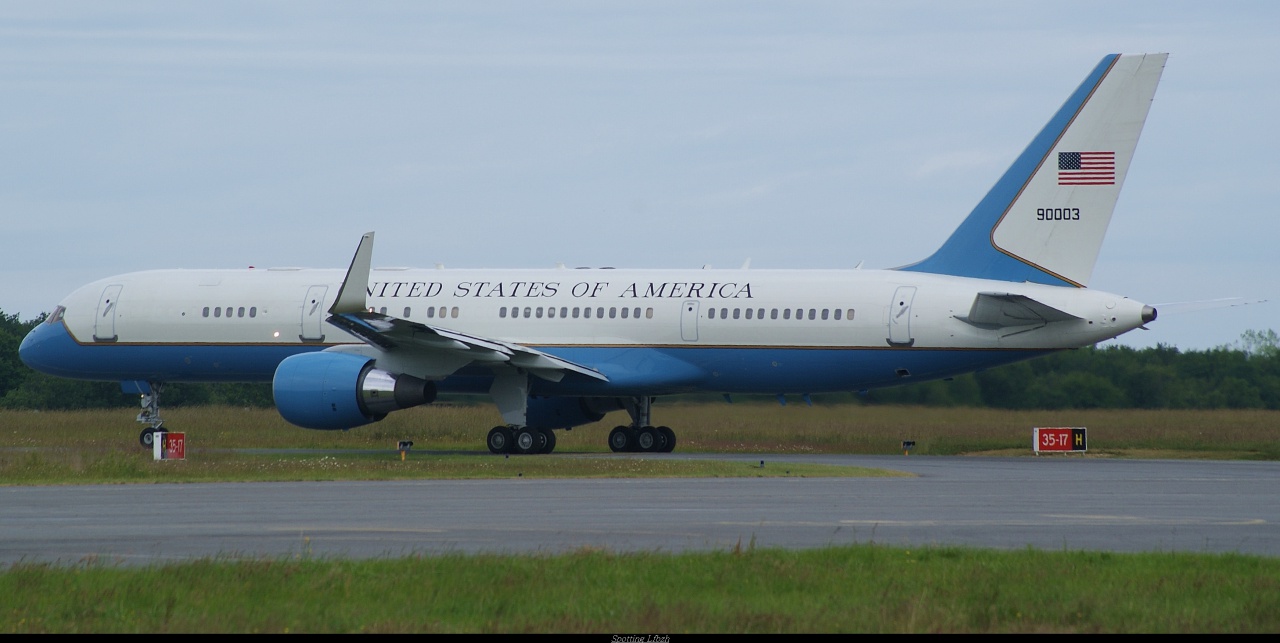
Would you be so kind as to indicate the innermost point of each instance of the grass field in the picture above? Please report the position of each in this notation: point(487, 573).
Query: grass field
point(868, 588)
point(840, 589)
point(700, 427)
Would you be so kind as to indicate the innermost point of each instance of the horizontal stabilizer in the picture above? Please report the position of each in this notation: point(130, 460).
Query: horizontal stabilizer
point(1002, 310)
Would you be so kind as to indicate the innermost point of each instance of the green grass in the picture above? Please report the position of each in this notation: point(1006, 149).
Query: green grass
point(92, 447)
point(864, 588)
point(701, 427)
point(838, 589)
point(749, 427)
point(122, 465)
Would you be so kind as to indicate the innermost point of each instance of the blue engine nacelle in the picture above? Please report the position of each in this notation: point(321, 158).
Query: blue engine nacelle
point(568, 412)
point(334, 391)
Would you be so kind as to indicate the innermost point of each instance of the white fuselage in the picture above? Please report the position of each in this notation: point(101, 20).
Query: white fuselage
point(591, 308)
point(726, 323)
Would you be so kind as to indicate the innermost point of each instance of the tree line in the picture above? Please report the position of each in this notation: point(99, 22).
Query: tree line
point(1245, 375)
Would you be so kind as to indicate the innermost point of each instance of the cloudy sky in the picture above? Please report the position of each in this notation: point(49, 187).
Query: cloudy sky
point(142, 135)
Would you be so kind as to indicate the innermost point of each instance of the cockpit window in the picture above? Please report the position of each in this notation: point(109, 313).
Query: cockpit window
point(55, 316)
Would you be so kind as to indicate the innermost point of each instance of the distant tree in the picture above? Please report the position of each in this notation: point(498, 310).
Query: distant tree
point(1260, 343)
point(38, 391)
point(12, 330)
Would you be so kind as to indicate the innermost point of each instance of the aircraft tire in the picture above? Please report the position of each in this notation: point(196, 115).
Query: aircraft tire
point(669, 439)
point(648, 440)
point(500, 440)
point(550, 444)
point(619, 440)
point(147, 437)
point(529, 441)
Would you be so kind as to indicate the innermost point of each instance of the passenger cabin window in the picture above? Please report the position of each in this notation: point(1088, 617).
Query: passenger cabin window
point(564, 312)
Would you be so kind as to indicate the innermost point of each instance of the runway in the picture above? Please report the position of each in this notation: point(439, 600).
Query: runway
point(1052, 503)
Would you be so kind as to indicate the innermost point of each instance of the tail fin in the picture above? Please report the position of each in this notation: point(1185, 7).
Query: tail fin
point(1045, 219)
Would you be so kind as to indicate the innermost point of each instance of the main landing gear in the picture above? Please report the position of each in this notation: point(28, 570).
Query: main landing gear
point(516, 439)
point(651, 439)
point(510, 392)
point(641, 435)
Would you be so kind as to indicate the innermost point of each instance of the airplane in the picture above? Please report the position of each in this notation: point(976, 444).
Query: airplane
point(558, 348)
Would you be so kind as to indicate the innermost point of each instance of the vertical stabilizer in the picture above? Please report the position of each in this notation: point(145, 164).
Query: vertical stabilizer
point(1045, 219)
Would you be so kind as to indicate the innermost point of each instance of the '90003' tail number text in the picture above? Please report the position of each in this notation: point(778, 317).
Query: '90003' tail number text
point(1057, 214)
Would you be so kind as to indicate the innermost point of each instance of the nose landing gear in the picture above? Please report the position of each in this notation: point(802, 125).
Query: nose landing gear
point(150, 414)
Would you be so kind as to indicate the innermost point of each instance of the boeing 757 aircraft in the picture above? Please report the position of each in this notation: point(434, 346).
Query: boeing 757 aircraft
point(559, 348)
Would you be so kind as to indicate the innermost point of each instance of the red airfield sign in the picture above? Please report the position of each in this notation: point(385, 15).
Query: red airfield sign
point(1058, 438)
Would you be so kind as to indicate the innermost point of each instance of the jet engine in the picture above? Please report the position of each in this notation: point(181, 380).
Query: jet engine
point(332, 391)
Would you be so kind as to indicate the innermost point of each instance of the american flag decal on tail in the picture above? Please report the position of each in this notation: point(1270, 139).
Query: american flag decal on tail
point(1086, 168)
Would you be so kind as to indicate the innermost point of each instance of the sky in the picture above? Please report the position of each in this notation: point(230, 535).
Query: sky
point(144, 135)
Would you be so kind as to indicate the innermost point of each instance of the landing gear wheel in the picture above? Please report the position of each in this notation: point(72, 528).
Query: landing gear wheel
point(647, 439)
point(550, 444)
point(668, 439)
point(620, 439)
point(500, 440)
point(530, 441)
point(147, 437)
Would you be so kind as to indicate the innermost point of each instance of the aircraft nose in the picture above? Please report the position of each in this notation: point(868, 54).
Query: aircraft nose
point(40, 348)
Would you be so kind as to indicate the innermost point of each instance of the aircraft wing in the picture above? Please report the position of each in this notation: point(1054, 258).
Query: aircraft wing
point(392, 334)
point(1001, 310)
